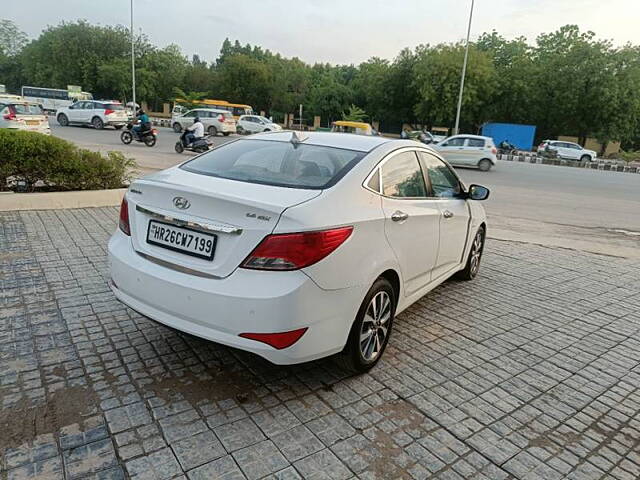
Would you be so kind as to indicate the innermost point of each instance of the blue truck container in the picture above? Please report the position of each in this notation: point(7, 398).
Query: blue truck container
point(519, 135)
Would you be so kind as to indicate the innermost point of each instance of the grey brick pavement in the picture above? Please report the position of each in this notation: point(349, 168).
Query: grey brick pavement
point(530, 372)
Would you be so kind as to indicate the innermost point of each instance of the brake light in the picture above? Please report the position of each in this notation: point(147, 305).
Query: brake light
point(221, 118)
point(124, 217)
point(494, 150)
point(291, 251)
point(108, 111)
point(276, 340)
point(11, 115)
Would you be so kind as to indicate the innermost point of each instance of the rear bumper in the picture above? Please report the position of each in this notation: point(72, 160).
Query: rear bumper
point(228, 128)
point(247, 301)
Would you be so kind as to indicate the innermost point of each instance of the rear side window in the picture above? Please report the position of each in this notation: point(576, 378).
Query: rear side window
point(113, 106)
point(276, 163)
point(455, 142)
point(27, 109)
point(475, 142)
point(402, 177)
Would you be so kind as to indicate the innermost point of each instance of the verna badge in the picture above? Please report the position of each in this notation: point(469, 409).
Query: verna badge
point(181, 203)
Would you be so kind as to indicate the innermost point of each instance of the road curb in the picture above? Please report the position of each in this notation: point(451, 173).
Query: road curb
point(603, 165)
point(10, 201)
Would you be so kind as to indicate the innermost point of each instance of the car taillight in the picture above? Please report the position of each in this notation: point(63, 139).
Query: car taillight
point(108, 111)
point(494, 150)
point(11, 115)
point(221, 118)
point(124, 217)
point(291, 251)
point(276, 340)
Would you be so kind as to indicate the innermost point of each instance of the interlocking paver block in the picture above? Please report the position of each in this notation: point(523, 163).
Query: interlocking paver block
point(297, 442)
point(240, 434)
point(90, 458)
point(160, 465)
point(222, 469)
point(198, 449)
point(260, 460)
point(323, 465)
point(127, 417)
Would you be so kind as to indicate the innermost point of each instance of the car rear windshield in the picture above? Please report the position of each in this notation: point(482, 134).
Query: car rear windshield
point(28, 109)
point(276, 163)
point(113, 106)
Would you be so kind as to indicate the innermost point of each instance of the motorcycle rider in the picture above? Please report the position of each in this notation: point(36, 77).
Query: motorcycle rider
point(142, 122)
point(195, 131)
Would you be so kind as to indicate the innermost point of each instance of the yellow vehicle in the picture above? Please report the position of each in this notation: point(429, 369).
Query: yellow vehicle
point(359, 128)
point(236, 109)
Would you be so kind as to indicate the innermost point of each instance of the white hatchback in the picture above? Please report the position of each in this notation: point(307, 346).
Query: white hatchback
point(296, 247)
point(468, 151)
point(214, 120)
point(21, 115)
point(256, 124)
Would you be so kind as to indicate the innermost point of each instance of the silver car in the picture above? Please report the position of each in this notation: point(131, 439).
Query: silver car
point(21, 115)
point(214, 120)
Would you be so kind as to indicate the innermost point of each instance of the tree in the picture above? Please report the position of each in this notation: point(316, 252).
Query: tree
point(12, 39)
point(355, 114)
point(371, 88)
point(243, 79)
point(437, 81)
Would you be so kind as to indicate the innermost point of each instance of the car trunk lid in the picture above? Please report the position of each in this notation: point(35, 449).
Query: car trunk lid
point(239, 214)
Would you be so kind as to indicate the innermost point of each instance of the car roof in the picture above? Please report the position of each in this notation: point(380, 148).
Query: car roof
point(466, 135)
point(348, 123)
point(348, 141)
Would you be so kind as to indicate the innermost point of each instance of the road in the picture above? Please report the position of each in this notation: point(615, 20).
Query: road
point(567, 207)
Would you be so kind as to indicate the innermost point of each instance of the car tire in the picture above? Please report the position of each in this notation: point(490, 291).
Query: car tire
point(240, 130)
point(376, 314)
point(97, 123)
point(213, 131)
point(177, 127)
point(63, 120)
point(472, 266)
point(179, 148)
point(585, 158)
point(118, 127)
point(266, 130)
point(485, 165)
point(226, 134)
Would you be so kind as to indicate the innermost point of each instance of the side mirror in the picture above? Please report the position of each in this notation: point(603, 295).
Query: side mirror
point(478, 192)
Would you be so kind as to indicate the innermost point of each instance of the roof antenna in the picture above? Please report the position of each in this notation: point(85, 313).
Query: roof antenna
point(298, 137)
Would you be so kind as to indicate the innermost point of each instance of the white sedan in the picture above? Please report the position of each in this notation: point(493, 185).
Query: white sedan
point(256, 124)
point(296, 246)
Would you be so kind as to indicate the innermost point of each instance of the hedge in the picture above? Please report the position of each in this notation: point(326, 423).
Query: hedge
point(58, 164)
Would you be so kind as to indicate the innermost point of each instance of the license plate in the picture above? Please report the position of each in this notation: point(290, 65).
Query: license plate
point(32, 122)
point(181, 239)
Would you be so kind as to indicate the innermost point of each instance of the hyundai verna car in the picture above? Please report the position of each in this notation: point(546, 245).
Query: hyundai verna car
point(295, 246)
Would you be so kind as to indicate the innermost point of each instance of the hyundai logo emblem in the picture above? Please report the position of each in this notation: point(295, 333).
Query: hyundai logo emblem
point(181, 203)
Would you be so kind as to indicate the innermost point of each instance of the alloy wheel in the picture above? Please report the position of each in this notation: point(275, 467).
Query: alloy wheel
point(375, 326)
point(476, 252)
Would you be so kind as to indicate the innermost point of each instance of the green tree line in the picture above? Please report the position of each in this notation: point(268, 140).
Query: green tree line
point(567, 82)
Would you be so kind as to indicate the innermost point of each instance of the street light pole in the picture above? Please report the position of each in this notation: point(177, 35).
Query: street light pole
point(133, 62)
point(464, 72)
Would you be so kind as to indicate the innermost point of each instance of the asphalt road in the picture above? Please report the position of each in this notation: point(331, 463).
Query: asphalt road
point(563, 206)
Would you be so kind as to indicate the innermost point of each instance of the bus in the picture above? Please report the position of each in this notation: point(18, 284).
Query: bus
point(236, 109)
point(53, 98)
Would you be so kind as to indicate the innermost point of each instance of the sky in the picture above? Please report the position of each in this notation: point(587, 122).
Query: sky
point(334, 31)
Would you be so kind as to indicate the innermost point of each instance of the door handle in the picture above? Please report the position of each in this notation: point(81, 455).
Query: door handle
point(447, 214)
point(399, 216)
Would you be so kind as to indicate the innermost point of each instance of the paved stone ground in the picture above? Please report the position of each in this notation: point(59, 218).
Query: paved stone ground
point(529, 372)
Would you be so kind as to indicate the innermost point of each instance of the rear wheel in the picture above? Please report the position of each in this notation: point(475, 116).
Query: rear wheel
point(485, 165)
point(475, 255)
point(150, 140)
point(213, 131)
point(226, 134)
point(179, 148)
point(118, 127)
point(126, 137)
point(240, 130)
point(97, 123)
point(371, 329)
point(267, 130)
point(585, 158)
point(63, 120)
point(177, 127)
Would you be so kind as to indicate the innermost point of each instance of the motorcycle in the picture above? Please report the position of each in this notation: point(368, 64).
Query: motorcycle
point(200, 145)
point(148, 137)
point(507, 148)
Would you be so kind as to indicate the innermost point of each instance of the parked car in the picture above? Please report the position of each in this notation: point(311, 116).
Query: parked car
point(468, 151)
point(97, 113)
point(22, 115)
point(256, 124)
point(296, 246)
point(214, 120)
point(567, 150)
